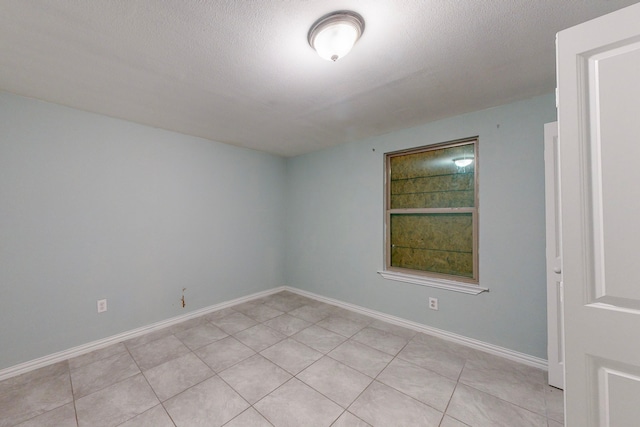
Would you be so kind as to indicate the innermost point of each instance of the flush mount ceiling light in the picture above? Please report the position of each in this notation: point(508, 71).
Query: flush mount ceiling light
point(333, 35)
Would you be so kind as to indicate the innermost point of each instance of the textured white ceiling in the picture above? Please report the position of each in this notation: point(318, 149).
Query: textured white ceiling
point(241, 71)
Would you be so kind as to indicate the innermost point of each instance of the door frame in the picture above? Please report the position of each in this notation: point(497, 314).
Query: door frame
point(555, 329)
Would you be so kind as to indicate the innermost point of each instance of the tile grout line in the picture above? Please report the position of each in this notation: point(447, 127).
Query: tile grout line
point(323, 354)
point(73, 395)
point(349, 338)
point(267, 395)
point(161, 403)
point(503, 400)
point(454, 392)
point(296, 375)
point(147, 381)
point(57, 407)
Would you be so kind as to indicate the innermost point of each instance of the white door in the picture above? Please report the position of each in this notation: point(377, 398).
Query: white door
point(554, 266)
point(599, 123)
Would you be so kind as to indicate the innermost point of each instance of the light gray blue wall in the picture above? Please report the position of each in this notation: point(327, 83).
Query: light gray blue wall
point(93, 207)
point(335, 227)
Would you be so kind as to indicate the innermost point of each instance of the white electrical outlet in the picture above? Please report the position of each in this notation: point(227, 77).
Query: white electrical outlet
point(433, 303)
point(102, 305)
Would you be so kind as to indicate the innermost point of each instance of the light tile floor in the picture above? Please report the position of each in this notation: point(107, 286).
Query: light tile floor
point(282, 360)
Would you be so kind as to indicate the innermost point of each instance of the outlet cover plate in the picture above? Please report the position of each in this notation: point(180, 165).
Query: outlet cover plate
point(102, 305)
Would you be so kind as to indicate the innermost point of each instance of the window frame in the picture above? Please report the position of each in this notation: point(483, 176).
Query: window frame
point(463, 284)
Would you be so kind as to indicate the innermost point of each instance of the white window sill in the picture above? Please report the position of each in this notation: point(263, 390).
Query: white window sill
point(449, 285)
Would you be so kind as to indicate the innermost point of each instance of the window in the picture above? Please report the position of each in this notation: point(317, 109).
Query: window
point(431, 222)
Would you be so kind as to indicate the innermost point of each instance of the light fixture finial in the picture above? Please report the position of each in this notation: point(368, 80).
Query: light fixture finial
point(334, 35)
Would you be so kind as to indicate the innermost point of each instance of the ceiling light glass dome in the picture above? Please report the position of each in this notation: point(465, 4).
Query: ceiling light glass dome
point(334, 35)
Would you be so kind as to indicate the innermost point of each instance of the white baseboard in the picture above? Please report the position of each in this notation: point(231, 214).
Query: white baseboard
point(96, 345)
point(114, 339)
point(516, 356)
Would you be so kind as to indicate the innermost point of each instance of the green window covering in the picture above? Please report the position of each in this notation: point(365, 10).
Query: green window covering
point(432, 210)
point(439, 243)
